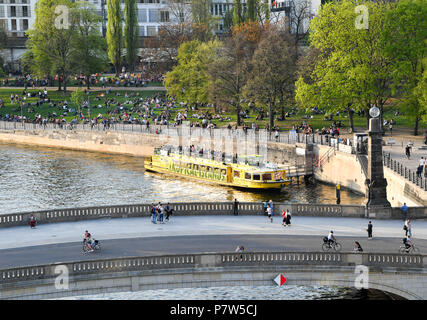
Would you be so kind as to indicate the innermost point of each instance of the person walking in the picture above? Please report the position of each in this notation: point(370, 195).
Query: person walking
point(409, 227)
point(236, 207)
point(284, 217)
point(269, 214)
point(32, 221)
point(153, 213)
point(408, 151)
point(404, 208)
point(161, 213)
point(405, 227)
point(288, 218)
point(271, 211)
point(168, 211)
point(265, 206)
point(369, 230)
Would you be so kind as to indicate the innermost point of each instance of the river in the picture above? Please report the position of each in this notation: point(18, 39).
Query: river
point(39, 178)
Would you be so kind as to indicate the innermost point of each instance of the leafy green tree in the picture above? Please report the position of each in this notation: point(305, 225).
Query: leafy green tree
point(78, 97)
point(115, 34)
point(90, 47)
point(405, 34)
point(131, 33)
point(50, 41)
point(189, 80)
point(353, 68)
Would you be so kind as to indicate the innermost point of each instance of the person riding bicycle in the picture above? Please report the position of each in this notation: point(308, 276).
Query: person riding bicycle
point(407, 242)
point(331, 238)
point(90, 242)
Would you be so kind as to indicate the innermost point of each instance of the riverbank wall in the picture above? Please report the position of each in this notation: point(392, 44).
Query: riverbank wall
point(142, 144)
point(345, 169)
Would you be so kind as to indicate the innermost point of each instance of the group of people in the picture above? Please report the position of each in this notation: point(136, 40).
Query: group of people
point(159, 211)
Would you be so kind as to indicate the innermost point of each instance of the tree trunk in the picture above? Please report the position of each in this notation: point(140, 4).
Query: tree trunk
point(87, 82)
point(59, 83)
point(270, 117)
point(417, 120)
point(65, 83)
point(367, 117)
point(238, 114)
point(350, 119)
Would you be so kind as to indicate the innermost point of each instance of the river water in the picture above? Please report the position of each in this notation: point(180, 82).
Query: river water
point(39, 178)
point(286, 292)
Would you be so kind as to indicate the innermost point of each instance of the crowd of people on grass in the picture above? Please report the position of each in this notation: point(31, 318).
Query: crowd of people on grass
point(124, 79)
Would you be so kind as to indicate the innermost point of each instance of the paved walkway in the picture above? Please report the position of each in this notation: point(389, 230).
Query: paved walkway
point(69, 232)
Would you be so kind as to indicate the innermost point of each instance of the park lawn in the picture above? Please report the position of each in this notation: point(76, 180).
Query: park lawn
point(317, 121)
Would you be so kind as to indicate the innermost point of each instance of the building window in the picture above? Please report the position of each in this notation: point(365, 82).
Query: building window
point(151, 31)
point(13, 11)
point(164, 16)
point(181, 17)
point(142, 15)
point(24, 24)
point(153, 15)
point(216, 9)
point(25, 11)
point(141, 31)
point(13, 24)
point(2, 15)
point(220, 9)
point(12, 1)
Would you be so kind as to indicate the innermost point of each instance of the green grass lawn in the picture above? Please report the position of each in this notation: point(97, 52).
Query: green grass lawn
point(317, 121)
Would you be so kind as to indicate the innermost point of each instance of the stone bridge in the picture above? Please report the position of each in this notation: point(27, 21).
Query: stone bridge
point(403, 275)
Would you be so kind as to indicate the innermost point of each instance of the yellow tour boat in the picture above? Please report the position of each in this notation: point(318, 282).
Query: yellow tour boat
point(244, 172)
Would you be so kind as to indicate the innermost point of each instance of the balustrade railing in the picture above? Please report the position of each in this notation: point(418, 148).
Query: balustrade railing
point(180, 261)
point(191, 208)
point(403, 171)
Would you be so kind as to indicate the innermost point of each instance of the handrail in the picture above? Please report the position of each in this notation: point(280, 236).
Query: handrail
point(227, 259)
point(403, 171)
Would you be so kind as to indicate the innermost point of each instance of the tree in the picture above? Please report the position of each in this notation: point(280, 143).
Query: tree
point(272, 75)
point(189, 81)
point(78, 97)
point(115, 34)
point(50, 40)
point(353, 68)
point(238, 16)
point(202, 20)
point(251, 10)
point(405, 34)
point(90, 46)
point(131, 33)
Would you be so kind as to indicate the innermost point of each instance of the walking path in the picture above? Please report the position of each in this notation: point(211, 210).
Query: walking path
point(68, 232)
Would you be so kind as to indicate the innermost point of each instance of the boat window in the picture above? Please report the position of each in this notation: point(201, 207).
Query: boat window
point(196, 167)
point(223, 172)
point(247, 176)
point(216, 170)
point(266, 176)
point(203, 168)
point(237, 174)
point(256, 177)
point(189, 165)
point(208, 169)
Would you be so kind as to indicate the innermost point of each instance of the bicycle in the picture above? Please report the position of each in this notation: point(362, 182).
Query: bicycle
point(334, 245)
point(412, 249)
point(85, 248)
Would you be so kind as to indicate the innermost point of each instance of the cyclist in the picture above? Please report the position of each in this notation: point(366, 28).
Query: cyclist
point(90, 242)
point(408, 242)
point(331, 238)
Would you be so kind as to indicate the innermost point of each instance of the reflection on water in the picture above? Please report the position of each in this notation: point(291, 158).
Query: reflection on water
point(39, 178)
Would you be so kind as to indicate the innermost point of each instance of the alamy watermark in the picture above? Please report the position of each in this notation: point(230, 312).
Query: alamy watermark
point(62, 281)
point(362, 278)
point(362, 20)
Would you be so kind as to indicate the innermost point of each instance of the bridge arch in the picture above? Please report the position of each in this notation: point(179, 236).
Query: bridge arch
point(398, 274)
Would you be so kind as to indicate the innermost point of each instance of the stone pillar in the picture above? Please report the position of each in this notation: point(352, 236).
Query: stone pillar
point(376, 185)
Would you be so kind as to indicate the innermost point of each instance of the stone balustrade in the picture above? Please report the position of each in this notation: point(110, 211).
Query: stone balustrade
point(245, 259)
point(197, 208)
